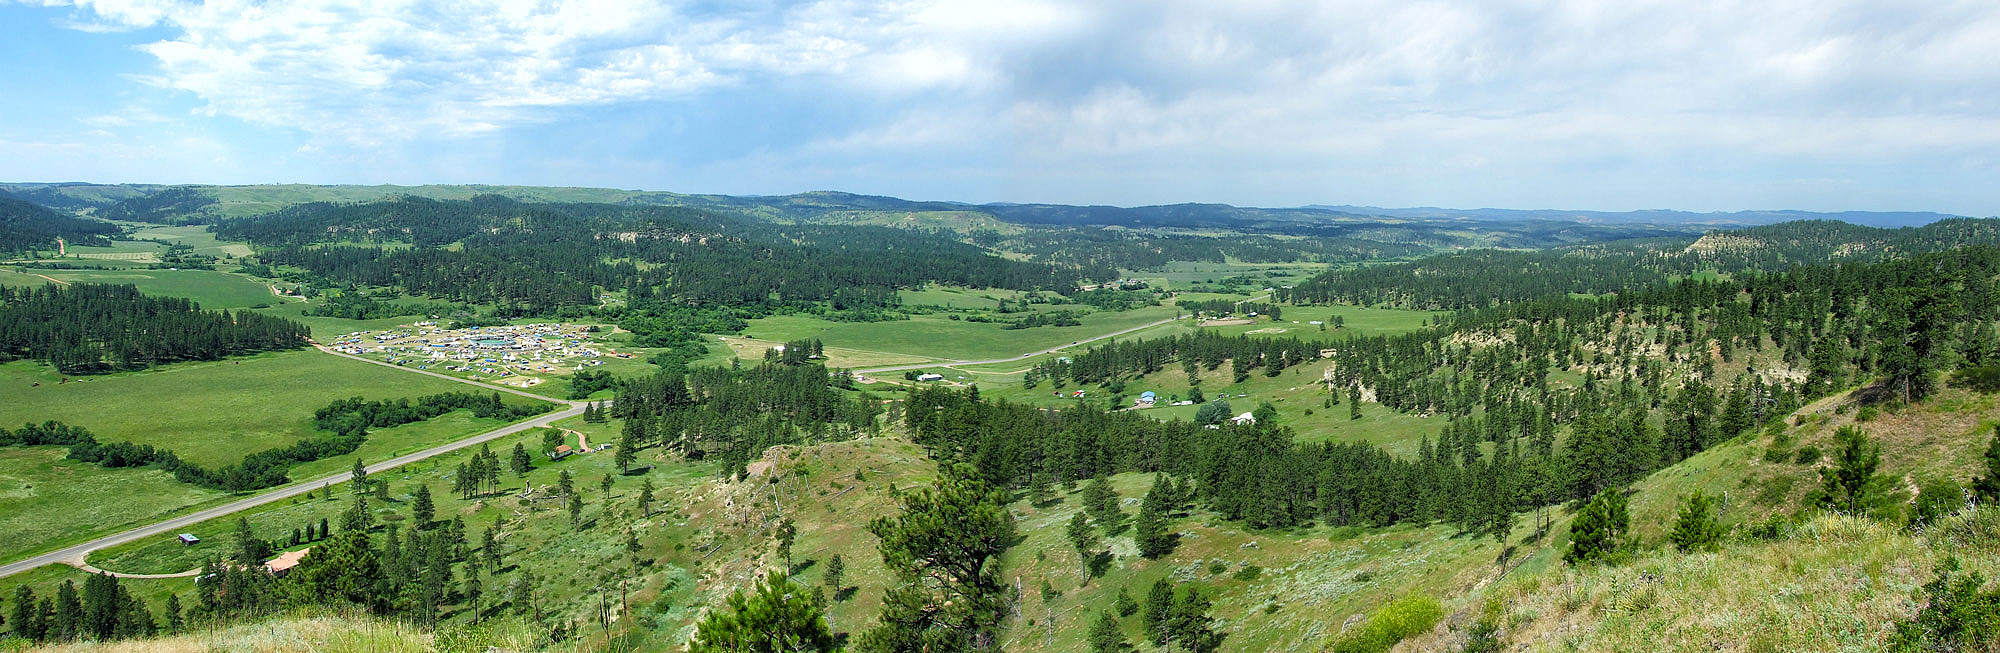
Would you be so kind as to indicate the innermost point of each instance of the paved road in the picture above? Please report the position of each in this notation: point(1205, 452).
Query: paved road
point(1051, 350)
point(75, 555)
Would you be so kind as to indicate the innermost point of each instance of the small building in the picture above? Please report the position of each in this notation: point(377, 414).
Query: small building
point(283, 564)
point(930, 377)
point(1245, 418)
point(188, 539)
point(561, 451)
point(1147, 398)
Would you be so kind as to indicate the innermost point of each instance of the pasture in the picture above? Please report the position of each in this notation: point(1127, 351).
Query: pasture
point(47, 501)
point(209, 288)
point(938, 336)
point(211, 413)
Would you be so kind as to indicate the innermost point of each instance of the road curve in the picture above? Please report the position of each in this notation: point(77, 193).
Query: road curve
point(76, 554)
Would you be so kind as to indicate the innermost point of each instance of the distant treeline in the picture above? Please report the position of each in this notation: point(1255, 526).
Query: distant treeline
point(1205, 349)
point(26, 226)
point(346, 421)
point(93, 328)
point(1482, 278)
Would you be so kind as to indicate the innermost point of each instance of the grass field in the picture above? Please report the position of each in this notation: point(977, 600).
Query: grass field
point(210, 413)
point(47, 500)
point(940, 337)
point(209, 288)
point(196, 236)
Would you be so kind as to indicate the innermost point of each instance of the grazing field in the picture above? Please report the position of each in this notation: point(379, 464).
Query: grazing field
point(196, 236)
point(210, 413)
point(47, 500)
point(209, 288)
point(940, 337)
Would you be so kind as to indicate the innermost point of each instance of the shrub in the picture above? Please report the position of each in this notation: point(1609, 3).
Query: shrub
point(1808, 455)
point(1393, 623)
point(1866, 414)
point(1248, 573)
point(1985, 378)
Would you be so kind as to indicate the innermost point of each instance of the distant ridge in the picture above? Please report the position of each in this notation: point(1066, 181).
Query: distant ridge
point(1653, 216)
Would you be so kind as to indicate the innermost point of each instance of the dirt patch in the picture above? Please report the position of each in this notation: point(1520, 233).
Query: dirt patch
point(1233, 322)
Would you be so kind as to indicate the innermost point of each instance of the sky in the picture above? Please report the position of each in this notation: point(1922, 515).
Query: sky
point(1604, 105)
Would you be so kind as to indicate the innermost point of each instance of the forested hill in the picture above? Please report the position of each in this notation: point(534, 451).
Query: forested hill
point(25, 225)
point(1477, 278)
point(539, 257)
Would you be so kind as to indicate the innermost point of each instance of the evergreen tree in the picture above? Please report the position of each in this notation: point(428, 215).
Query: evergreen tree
point(1697, 529)
point(1851, 484)
point(787, 534)
point(1159, 612)
point(344, 568)
point(248, 549)
point(358, 479)
point(1987, 487)
point(646, 499)
point(519, 461)
point(1595, 535)
point(777, 616)
point(1084, 539)
point(175, 623)
point(422, 509)
point(604, 487)
point(1102, 503)
point(1354, 402)
point(1106, 636)
point(25, 622)
point(836, 567)
point(945, 546)
point(1126, 606)
point(1149, 532)
point(628, 446)
point(67, 624)
point(1189, 625)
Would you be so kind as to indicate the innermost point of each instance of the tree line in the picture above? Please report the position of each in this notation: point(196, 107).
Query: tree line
point(95, 328)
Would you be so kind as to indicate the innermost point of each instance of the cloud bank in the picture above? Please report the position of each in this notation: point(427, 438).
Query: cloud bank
point(1146, 99)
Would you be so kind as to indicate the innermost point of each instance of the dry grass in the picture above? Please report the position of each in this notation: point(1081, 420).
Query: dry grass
point(1835, 584)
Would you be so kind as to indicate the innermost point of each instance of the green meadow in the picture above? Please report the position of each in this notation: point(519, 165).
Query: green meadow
point(210, 413)
point(209, 288)
point(938, 336)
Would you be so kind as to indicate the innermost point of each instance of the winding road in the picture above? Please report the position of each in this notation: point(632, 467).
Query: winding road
point(75, 555)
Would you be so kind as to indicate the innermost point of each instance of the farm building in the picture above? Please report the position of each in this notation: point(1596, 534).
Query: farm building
point(930, 377)
point(188, 538)
point(561, 451)
point(283, 564)
point(1245, 418)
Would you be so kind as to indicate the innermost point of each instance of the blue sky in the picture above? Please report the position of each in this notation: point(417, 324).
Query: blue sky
point(1610, 105)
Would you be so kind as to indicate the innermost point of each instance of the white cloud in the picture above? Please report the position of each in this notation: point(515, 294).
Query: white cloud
point(1424, 85)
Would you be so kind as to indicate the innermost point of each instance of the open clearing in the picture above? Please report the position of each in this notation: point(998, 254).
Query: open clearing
point(212, 413)
point(209, 288)
point(936, 336)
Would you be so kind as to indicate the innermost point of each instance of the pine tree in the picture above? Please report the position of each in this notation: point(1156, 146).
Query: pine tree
point(777, 616)
point(1106, 636)
point(1159, 611)
point(787, 534)
point(1189, 625)
point(1126, 606)
point(945, 548)
point(1851, 484)
point(646, 499)
point(1354, 402)
point(1149, 532)
point(1697, 528)
point(1084, 539)
point(422, 508)
point(358, 480)
point(68, 621)
point(604, 488)
point(519, 461)
point(836, 567)
point(175, 623)
point(1987, 487)
point(1102, 503)
point(626, 452)
point(1595, 534)
point(25, 621)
